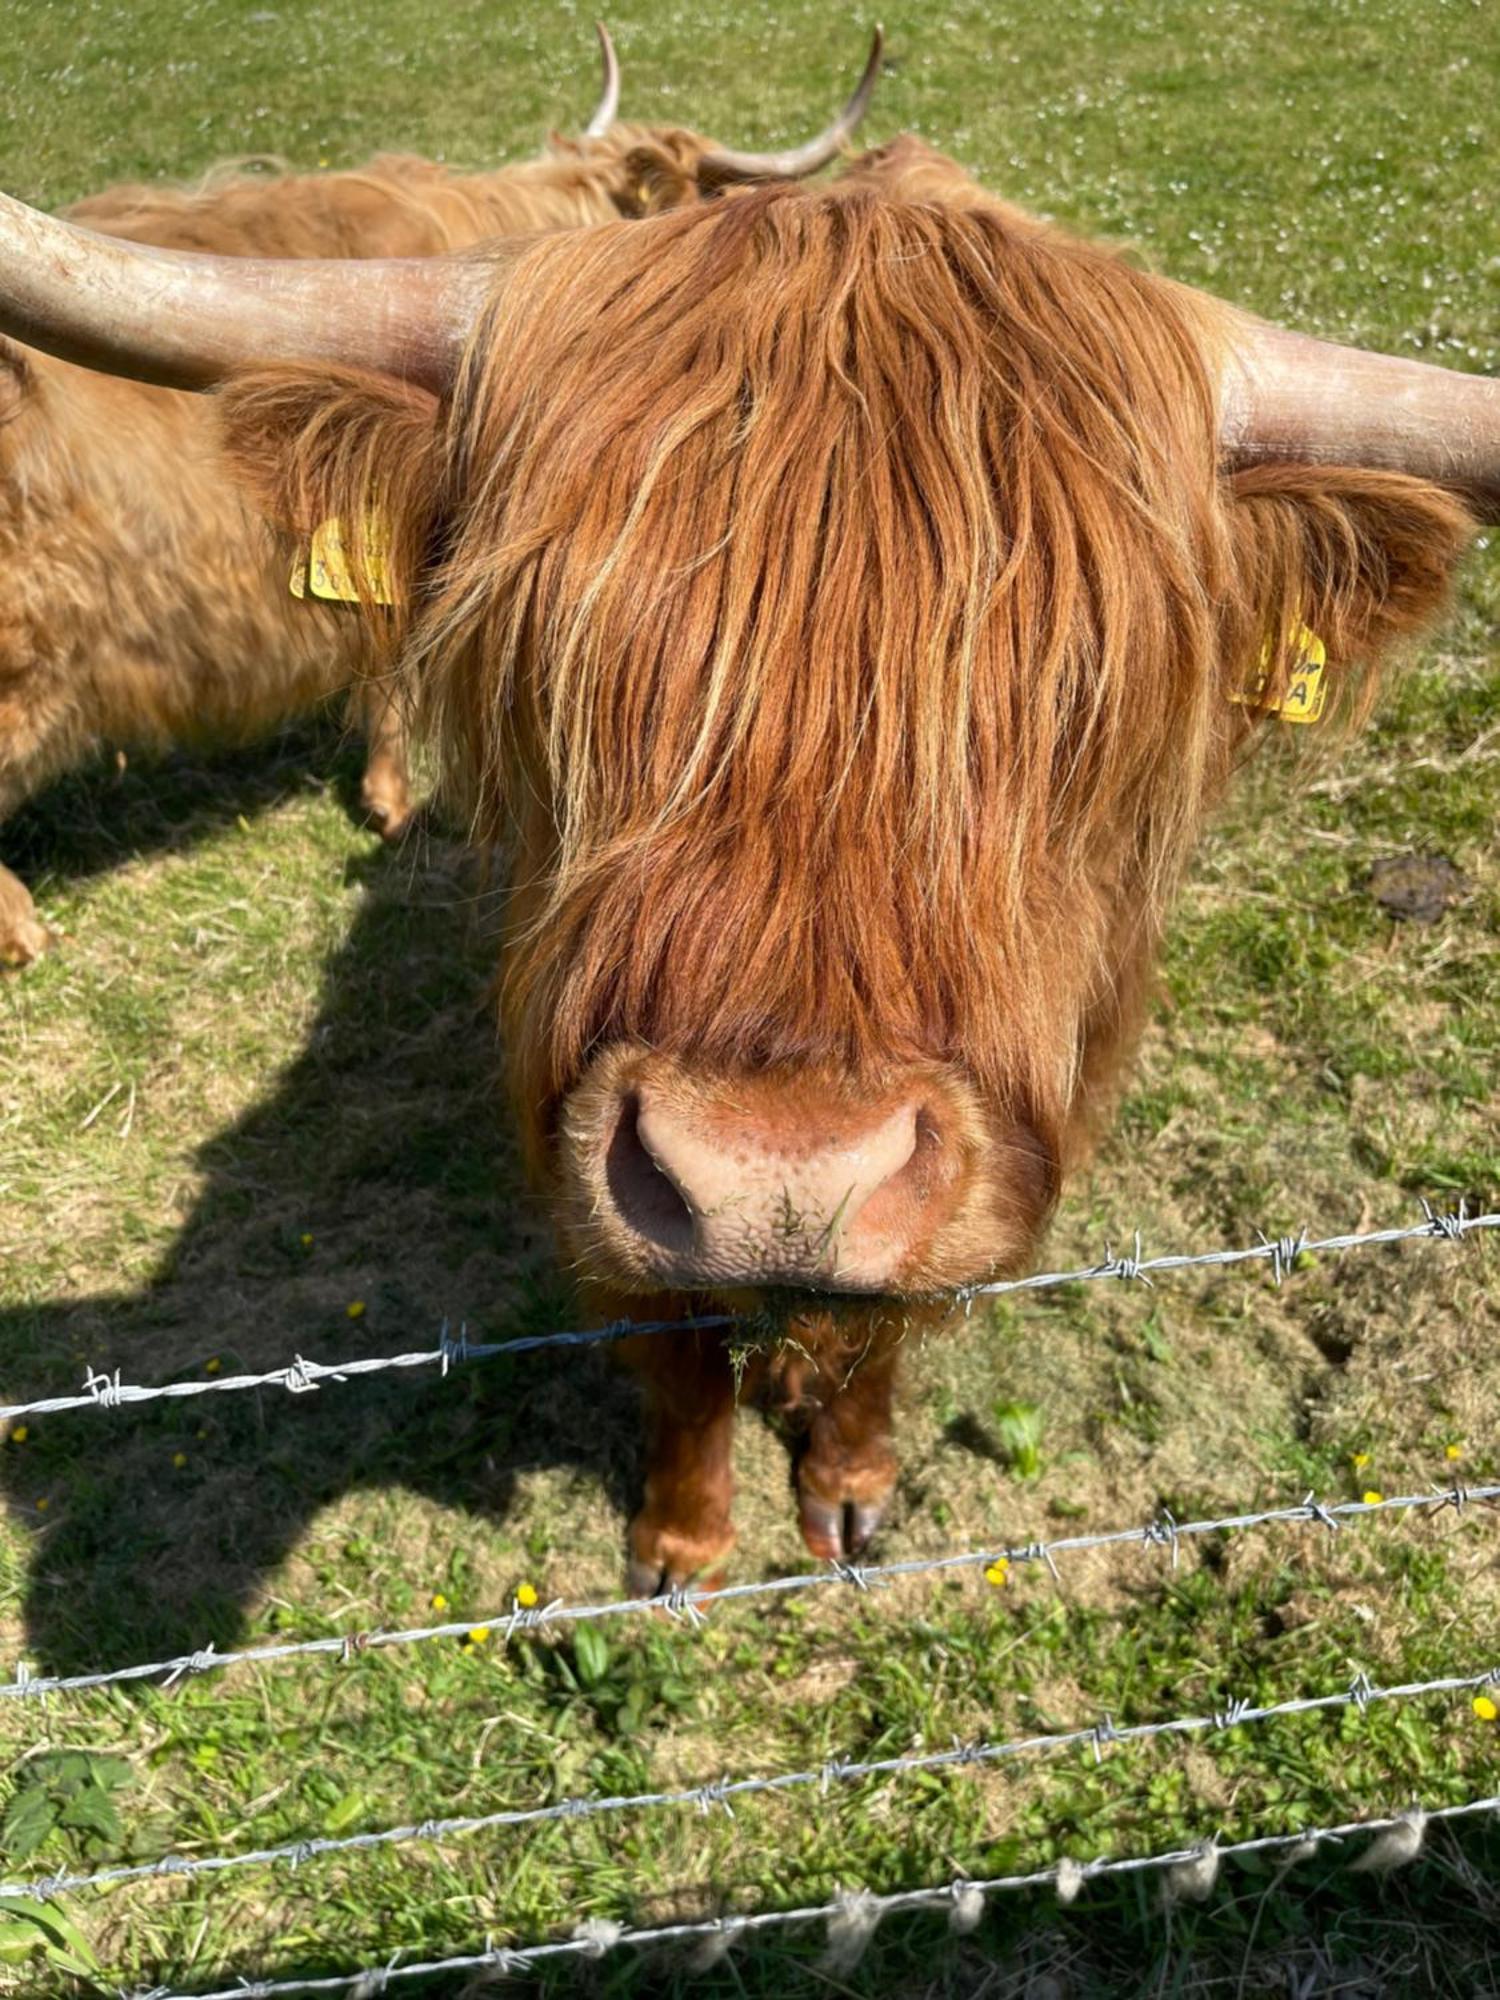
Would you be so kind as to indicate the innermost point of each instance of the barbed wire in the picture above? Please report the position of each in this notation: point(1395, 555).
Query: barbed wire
point(964, 1898)
point(1362, 1693)
point(688, 1603)
point(1280, 1252)
point(104, 1391)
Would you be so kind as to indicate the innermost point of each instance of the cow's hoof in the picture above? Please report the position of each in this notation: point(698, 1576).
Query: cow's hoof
point(839, 1530)
point(663, 1560)
point(386, 800)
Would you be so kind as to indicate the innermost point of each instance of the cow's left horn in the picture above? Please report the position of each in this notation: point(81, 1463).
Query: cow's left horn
point(607, 110)
point(722, 163)
point(185, 319)
point(1288, 396)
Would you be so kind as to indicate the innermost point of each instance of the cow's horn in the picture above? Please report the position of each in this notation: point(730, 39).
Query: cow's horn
point(607, 110)
point(1288, 396)
point(185, 319)
point(724, 164)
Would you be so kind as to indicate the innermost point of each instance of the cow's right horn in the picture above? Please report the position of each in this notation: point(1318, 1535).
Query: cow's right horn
point(185, 319)
point(1286, 395)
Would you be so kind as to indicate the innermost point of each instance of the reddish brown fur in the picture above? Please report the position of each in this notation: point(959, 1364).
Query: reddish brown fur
point(832, 601)
point(143, 605)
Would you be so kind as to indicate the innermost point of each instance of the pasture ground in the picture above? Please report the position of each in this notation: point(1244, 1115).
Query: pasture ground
point(253, 1088)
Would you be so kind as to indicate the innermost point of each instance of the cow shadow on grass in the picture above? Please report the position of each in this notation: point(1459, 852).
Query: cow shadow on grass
point(377, 1168)
point(92, 821)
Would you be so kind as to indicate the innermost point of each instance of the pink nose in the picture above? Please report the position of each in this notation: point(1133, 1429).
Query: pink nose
point(749, 1192)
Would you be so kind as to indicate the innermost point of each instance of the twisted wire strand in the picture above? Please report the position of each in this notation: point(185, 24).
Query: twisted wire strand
point(1361, 1693)
point(105, 1391)
point(689, 1604)
point(1297, 1845)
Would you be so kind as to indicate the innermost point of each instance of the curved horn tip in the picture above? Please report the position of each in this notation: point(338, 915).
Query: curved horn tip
point(729, 164)
point(608, 108)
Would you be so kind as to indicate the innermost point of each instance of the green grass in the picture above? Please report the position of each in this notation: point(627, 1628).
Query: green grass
point(263, 1028)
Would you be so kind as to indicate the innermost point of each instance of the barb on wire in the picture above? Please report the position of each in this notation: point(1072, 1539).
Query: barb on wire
point(107, 1392)
point(1361, 1694)
point(957, 1896)
point(686, 1604)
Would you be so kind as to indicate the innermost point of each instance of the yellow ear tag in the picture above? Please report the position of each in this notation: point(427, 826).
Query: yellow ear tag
point(1306, 693)
point(327, 568)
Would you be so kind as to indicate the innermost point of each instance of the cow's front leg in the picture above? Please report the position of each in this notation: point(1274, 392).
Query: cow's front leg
point(23, 935)
point(846, 1472)
point(683, 1526)
point(385, 790)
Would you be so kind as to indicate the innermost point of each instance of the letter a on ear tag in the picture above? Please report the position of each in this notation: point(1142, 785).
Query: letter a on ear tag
point(1306, 693)
point(328, 568)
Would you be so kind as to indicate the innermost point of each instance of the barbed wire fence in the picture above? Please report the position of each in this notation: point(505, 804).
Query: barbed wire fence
point(1392, 1840)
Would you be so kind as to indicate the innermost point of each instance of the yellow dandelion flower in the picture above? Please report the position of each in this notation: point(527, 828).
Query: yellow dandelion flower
point(179, 1459)
point(1485, 1708)
point(997, 1572)
point(355, 1308)
point(1359, 1460)
point(306, 1239)
point(439, 1602)
point(478, 1634)
point(42, 1505)
point(526, 1596)
point(212, 1365)
point(20, 1434)
point(1373, 1498)
point(1453, 1452)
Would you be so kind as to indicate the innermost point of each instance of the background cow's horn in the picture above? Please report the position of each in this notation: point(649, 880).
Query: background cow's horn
point(724, 164)
point(607, 110)
point(1288, 396)
point(184, 320)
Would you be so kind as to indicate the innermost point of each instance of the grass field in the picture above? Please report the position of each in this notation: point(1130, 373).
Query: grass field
point(254, 1088)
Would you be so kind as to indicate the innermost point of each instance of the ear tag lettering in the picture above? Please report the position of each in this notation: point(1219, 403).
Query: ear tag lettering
point(1306, 693)
point(327, 568)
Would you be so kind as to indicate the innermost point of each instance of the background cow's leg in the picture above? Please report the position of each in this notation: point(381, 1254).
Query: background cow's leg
point(847, 1469)
point(38, 732)
point(23, 935)
point(385, 790)
point(684, 1523)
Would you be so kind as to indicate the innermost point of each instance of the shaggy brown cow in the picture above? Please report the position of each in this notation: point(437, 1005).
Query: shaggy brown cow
point(837, 603)
point(142, 605)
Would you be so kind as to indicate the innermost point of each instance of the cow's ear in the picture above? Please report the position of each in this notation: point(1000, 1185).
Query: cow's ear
point(1361, 559)
point(312, 445)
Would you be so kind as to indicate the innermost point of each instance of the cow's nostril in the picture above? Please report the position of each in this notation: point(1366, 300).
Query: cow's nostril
point(645, 1196)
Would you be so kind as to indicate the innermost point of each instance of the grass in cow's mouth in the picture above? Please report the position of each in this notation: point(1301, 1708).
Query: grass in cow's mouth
point(265, 1030)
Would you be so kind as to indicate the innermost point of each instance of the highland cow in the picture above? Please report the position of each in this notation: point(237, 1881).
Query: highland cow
point(842, 607)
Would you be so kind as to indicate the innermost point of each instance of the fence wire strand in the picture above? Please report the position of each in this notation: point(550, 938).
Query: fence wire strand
point(690, 1604)
point(1067, 1877)
point(105, 1391)
point(719, 1794)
